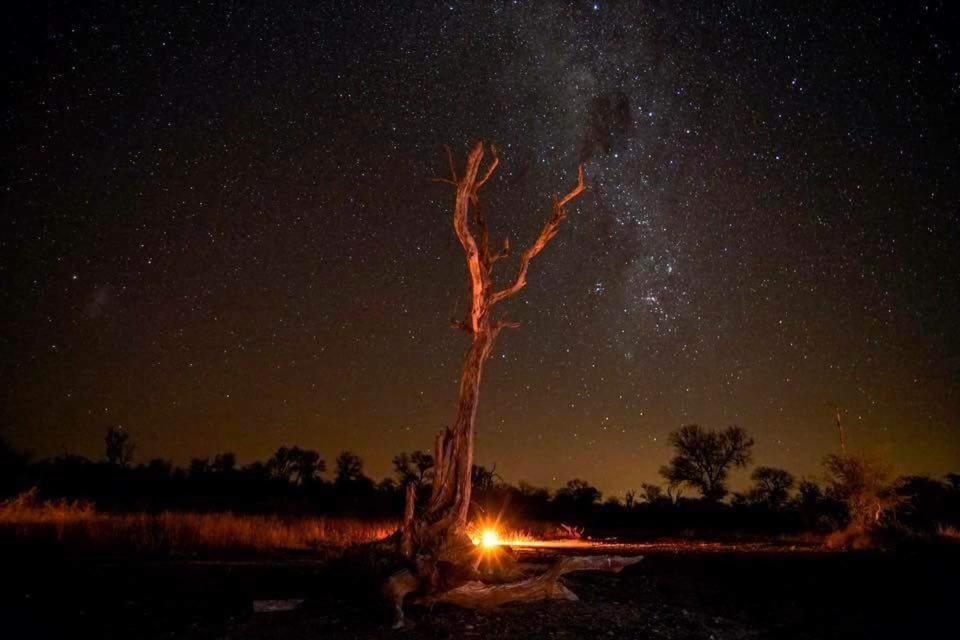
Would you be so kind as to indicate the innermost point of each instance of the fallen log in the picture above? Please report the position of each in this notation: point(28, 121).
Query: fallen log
point(476, 594)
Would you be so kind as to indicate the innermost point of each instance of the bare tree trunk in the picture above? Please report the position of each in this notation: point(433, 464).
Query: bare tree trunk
point(450, 500)
point(436, 538)
point(843, 441)
point(443, 521)
point(406, 539)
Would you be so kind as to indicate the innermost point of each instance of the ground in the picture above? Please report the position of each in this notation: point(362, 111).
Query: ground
point(677, 592)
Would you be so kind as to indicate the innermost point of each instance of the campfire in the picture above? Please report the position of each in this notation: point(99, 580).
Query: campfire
point(489, 539)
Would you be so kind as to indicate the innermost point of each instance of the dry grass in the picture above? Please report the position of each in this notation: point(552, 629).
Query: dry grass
point(948, 533)
point(80, 525)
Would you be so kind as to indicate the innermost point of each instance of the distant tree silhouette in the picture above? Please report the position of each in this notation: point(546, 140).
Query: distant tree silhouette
point(307, 464)
point(349, 468)
point(703, 459)
point(412, 467)
point(613, 503)
point(953, 479)
point(423, 461)
point(293, 465)
point(256, 471)
point(847, 508)
point(651, 493)
point(925, 502)
point(159, 468)
point(864, 485)
point(119, 446)
point(808, 502)
point(224, 463)
point(483, 478)
point(387, 486)
point(533, 494)
point(578, 496)
point(771, 486)
point(403, 469)
point(281, 464)
point(199, 468)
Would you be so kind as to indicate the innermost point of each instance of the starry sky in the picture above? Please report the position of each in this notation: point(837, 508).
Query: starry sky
point(219, 229)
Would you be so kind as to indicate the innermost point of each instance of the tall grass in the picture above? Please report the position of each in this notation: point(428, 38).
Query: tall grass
point(948, 533)
point(78, 524)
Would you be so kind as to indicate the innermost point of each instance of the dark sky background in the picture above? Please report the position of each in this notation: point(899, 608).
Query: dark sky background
point(219, 229)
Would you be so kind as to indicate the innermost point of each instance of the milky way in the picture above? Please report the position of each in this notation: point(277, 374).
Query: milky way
point(220, 229)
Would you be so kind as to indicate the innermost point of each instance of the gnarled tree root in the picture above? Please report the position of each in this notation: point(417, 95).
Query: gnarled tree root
point(479, 595)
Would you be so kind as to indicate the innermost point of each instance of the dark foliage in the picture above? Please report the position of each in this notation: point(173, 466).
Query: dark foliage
point(703, 459)
point(292, 482)
point(119, 446)
point(771, 487)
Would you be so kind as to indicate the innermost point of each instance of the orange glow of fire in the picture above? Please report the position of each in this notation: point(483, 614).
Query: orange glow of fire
point(489, 538)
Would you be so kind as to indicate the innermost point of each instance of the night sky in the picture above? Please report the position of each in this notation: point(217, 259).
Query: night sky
point(219, 229)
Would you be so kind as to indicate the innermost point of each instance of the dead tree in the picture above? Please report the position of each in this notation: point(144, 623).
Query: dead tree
point(445, 568)
point(843, 440)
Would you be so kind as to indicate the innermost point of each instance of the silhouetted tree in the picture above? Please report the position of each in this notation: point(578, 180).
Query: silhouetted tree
point(119, 446)
point(159, 468)
point(613, 504)
point(483, 478)
point(953, 479)
point(423, 461)
point(926, 501)
point(651, 493)
point(412, 467)
point(282, 464)
point(349, 468)
point(703, 459)
point(403, 469)
point(578, 496)
point(630, 499)
point(533, 500)
point(306, 465)
point(199, 468)
point(809, 501)
point(224, 463)
point(293, 465)
point(256, 471)
point(864, 485)
point(771, 486)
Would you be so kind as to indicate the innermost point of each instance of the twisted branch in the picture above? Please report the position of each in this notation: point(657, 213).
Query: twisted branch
point(549, 230)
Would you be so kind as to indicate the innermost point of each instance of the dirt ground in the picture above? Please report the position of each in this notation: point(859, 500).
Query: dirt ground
point(676, 592)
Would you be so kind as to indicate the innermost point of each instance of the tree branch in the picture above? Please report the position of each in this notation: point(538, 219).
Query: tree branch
point(466, 191)
point(545, 586)
point(453, 165)
point(503, 253)
point(491, 168)
point(546, 235)
point(480, 219)
point(506, 324)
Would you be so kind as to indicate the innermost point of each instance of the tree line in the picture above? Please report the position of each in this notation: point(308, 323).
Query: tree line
point(856, 497)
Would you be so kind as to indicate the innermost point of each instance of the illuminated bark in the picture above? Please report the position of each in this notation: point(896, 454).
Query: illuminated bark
point(435, 540)
point(438, 532)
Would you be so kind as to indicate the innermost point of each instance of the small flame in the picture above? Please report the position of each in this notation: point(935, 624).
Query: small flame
point(489, 539)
